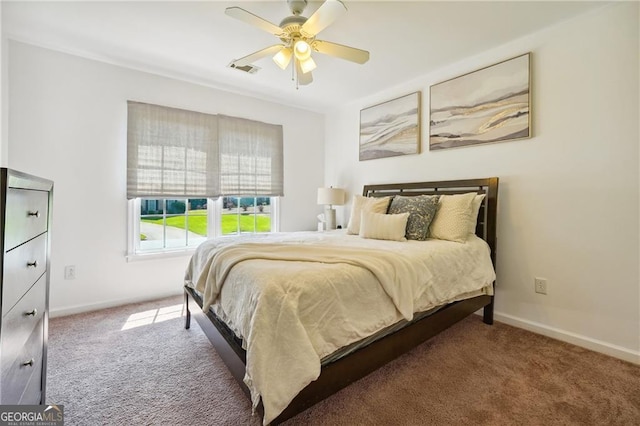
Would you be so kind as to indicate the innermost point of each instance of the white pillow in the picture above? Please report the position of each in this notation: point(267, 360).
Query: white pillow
point(475, 209)
point(360, 204)
point(452, 218)
point(381, 226)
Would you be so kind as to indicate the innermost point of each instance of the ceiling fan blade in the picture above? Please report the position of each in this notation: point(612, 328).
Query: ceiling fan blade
point(338, 50)
point(267, 51)
point(303, 78)
point(328, 12)
point(251, 19)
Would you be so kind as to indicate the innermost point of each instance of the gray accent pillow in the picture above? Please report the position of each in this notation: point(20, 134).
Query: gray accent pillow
point(421, 209)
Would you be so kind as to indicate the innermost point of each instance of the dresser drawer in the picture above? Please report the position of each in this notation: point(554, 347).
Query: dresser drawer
point(32, 394)
point(27, 367)
point(21, 320)
point(26, 216)
point(22, 267)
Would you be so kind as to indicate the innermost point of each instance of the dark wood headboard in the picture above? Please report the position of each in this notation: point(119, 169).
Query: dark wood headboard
point(486, 228)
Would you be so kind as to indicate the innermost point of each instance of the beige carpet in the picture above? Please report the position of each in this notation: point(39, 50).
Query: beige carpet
point(137, 365)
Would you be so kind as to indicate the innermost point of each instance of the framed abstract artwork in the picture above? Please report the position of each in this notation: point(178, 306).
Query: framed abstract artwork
point(391, 128)
point(489, 105)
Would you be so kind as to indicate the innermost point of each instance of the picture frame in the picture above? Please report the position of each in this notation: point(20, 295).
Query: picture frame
point(391, 128)
point(491, 104)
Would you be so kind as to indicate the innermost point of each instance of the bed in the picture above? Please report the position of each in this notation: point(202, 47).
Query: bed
point(291, 342)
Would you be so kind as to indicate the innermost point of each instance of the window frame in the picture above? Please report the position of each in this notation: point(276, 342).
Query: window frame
point(214, 227)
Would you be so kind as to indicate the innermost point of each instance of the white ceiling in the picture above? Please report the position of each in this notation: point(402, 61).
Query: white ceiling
point(196, 41)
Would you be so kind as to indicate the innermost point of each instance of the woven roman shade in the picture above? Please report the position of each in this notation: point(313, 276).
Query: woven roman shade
point(251, 157)
point(171, 153)
point(174, 153)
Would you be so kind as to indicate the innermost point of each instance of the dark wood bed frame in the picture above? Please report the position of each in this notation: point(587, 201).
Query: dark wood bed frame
point(344, 371)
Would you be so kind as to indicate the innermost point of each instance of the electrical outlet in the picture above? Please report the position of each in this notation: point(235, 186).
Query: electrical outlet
point(540, 285)
point(70, 272)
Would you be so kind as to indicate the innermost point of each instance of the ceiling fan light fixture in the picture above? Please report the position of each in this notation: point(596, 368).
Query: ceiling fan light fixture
point(307, 65)
point(298, 39)
point(302, 50)
point(283, 57)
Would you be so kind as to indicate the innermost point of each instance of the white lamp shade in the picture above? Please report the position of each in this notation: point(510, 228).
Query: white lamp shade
point(331, 196)
point(307, 65)
point(283, 57)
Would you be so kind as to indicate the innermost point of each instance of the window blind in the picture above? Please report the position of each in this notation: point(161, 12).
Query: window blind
point(250, 157)
point(174, 153)
point(171, 152)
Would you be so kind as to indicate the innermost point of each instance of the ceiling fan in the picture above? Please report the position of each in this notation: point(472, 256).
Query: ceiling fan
point(298, 38)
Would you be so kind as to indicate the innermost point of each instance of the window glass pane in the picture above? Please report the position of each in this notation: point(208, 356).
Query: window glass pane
point(151, 224)
point(176, 223)
point(151, 207)
point(246, 204)
point(176, 207)
point(176, 231)
point(263, 201)
point(229, 216)
point(247, 222)
point(197, 221)
point(229, 203)
point(263, 223)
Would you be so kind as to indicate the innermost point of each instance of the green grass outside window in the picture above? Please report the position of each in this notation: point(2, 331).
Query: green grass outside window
point(198, 222)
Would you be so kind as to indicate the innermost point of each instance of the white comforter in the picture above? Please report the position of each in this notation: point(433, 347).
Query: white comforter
point(291, 312)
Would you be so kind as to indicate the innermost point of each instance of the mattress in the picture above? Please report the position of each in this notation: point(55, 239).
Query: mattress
point(293, 313)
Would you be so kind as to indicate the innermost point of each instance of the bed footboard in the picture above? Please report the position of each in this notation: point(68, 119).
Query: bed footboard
point(228, 346)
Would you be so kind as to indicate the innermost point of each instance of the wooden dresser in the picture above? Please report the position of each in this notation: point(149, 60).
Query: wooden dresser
point(25, 213)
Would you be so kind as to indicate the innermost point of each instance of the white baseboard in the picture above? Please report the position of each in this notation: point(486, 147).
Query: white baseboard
point(575, 339)
point(78, 309)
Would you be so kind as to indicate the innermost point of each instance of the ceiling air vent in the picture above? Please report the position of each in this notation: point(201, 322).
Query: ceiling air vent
point(251, 69)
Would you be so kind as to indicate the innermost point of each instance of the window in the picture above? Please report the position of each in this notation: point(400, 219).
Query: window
point(185, 170)
point(241, 215)
point(166, 224)
point(178, 224)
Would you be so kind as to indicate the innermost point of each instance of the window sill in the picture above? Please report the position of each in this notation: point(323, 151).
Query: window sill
point(153, 255)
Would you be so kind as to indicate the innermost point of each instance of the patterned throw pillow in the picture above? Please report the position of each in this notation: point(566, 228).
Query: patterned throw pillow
point(452, 218)
point(421, 208)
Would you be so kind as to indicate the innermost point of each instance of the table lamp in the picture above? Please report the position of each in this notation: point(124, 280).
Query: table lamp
point(330, 197)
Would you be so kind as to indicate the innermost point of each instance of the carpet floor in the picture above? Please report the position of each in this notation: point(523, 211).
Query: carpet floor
point(137, 365)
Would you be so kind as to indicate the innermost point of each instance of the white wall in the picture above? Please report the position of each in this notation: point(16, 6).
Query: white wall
point(4, 95)
point(569, 196)
point(67, 122)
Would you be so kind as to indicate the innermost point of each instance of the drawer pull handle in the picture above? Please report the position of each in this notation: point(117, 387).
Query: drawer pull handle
point(34, 214)
point(34, 264)
point(28, 363)
point(31, 313)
